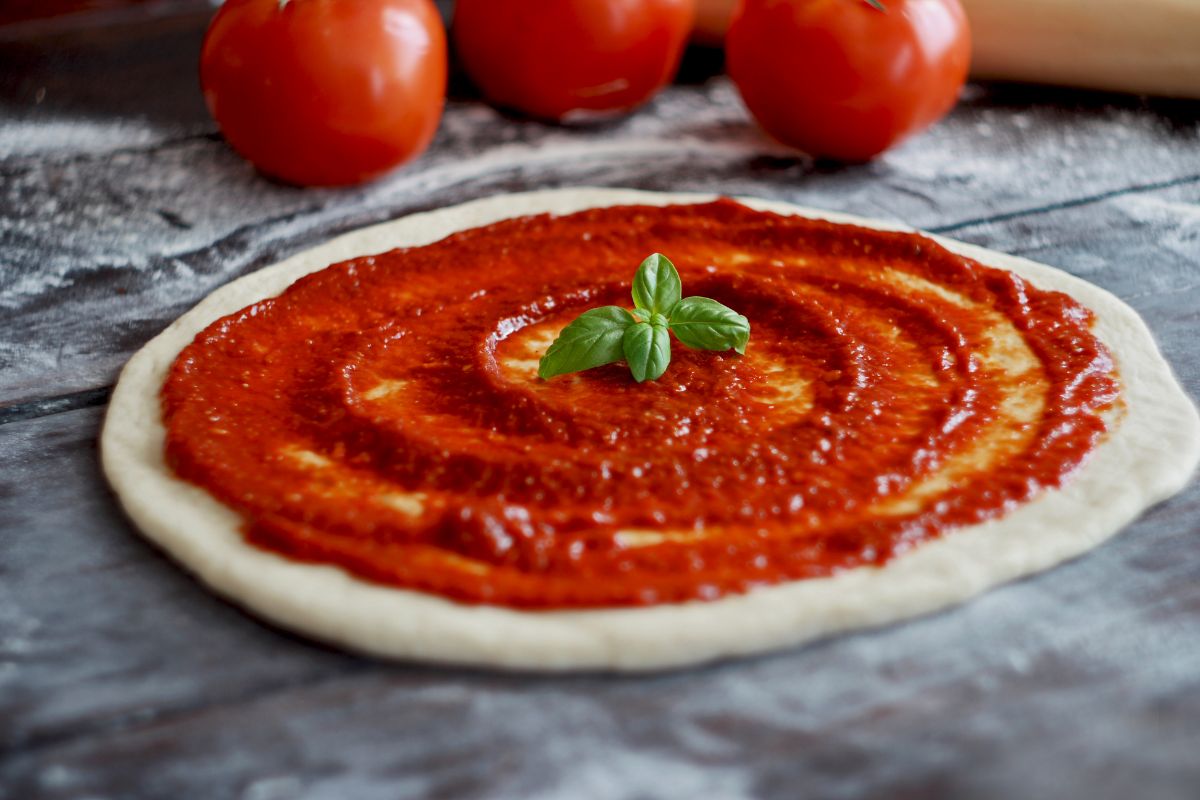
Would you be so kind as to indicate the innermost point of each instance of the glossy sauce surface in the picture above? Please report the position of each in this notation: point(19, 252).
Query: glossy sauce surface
point(384, 414)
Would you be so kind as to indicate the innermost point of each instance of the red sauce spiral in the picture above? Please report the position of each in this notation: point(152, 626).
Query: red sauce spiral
point(384, 414)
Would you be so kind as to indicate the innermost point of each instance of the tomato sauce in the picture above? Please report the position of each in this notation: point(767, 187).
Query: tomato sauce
point(384, 415)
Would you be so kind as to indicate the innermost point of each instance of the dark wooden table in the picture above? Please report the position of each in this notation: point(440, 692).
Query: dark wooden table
point(120, 677)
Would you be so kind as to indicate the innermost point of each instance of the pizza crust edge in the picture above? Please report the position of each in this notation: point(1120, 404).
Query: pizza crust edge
point(1149, 457)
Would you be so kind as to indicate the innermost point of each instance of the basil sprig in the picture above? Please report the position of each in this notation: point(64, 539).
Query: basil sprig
point(642, 339)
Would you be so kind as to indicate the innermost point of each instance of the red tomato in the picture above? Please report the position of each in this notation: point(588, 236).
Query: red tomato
point(326, 92)
point(842, 79)
point(549, 58)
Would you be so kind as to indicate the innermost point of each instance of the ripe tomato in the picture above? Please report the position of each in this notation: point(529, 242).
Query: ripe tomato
point(549, 58)
point(845, 80)
point(326, 92)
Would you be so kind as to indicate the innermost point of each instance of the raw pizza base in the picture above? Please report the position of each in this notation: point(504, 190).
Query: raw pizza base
point(1149, 457)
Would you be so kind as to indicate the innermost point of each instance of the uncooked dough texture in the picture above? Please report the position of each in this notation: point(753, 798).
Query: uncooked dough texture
point(1150, 456)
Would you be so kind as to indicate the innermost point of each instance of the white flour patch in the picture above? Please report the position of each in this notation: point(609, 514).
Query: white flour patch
point(35, 137)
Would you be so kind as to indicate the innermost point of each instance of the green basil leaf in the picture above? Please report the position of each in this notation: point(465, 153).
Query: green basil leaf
point(707, 325)
point(656, 285)
point(595, 338)
point(647, 351)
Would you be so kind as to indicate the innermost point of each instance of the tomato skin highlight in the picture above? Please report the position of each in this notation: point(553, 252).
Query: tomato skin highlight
point(841, 79)
point(552, 59)
point(326, 92)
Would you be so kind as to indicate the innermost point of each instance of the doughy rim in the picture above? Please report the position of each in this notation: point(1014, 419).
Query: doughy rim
point(1149, 457)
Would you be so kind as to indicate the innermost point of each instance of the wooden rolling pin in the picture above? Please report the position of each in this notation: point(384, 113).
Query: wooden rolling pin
point(1141, 46)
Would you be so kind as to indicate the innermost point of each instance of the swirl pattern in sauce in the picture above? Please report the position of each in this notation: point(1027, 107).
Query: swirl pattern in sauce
point(384, 414)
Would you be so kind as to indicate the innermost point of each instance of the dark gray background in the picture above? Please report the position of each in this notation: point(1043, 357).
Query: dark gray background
point(121, 677)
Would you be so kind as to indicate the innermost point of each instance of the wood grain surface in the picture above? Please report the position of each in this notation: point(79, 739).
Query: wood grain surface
point(120, 677)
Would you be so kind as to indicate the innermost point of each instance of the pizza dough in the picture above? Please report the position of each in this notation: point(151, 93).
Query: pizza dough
point(1150, 456)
